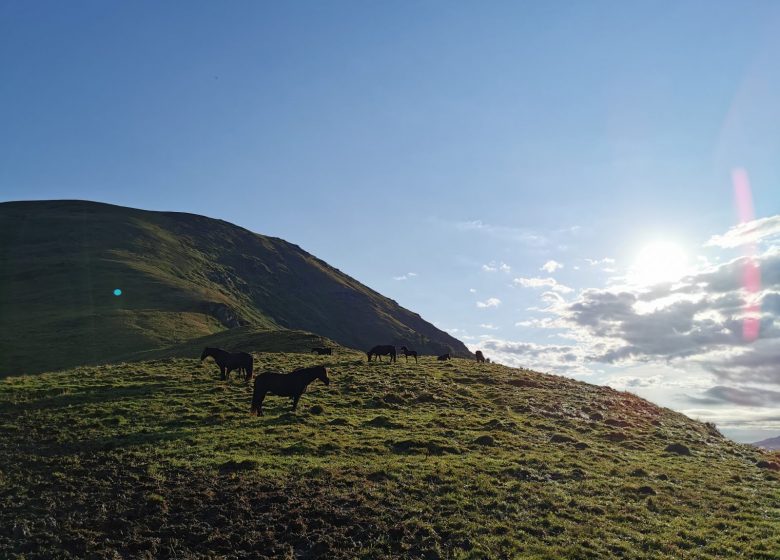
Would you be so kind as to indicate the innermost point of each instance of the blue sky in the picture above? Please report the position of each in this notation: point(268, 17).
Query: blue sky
point(468, 144)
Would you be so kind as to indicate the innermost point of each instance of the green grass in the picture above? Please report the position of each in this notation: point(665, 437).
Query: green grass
point(438, 460)
point(183, 277)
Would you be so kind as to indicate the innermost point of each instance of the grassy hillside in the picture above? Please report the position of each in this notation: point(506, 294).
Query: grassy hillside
point(183, 276)
point(438, 460)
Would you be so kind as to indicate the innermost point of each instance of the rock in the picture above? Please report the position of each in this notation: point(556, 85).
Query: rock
point(597, 416)
point(316, 409)
point(485, 440)
point(646, 490)
point(678, 448)
point(560, 438)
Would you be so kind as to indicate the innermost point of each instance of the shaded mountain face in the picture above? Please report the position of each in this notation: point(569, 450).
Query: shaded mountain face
point(181, 276)
point(771, 443)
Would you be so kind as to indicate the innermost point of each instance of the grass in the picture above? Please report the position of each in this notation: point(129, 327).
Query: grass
point(183, 277)
point(160, 459)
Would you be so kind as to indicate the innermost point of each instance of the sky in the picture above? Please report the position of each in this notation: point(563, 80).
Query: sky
point(552, 183)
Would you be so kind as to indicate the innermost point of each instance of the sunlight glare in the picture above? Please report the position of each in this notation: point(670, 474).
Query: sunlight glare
point(659, 262)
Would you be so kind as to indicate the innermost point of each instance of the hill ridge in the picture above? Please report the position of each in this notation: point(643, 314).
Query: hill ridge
point(182, 275)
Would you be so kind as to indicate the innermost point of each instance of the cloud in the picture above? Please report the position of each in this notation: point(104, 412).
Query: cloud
point(605, 260)
point(488, 326)
point(504, 233)
point(472, 290)
point(698, 321)
point(528, 354)
point(633, 382)
point(492, 266)
point(490, 302)
point(406, 276)
point(542, 283)
point(762, 229)
point(551, 266)
point(744, 396)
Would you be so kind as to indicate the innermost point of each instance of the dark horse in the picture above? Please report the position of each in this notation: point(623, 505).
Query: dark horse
point(285, 385)
point(227, 362)
point(480, 356)
point(380, 351)
point(323, 351)
point(406, 352)
point(444, 357)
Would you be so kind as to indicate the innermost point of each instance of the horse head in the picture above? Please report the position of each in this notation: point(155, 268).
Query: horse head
point(205, 354)
point(322, 375)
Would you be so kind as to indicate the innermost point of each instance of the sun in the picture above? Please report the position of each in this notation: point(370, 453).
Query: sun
point(659, 262)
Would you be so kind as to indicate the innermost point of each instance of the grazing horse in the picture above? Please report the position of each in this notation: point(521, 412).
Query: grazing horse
point(444, 357)
point(285, 385)
point(228, 362)
point(480, 356)
point(406, 352)
point(380, 351)
point(323, 351)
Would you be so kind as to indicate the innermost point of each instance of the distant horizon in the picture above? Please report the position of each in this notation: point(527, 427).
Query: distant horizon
point(554, 184)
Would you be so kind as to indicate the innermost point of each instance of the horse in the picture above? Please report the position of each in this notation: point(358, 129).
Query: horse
point(323, 351)
point(228, 362)
point(380, 351)
point(406, 352)
point(480, 356)
point(285, 385)
point(444, 357)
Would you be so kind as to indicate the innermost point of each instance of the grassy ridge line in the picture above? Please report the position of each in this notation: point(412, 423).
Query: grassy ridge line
point(183, 276)
point(439, 460)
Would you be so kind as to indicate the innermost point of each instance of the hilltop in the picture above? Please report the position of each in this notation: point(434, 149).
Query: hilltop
point(182, 277)
point(160, 459)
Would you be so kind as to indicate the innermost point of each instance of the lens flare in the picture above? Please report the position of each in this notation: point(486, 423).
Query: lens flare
point(117, 292)
point(751, 273)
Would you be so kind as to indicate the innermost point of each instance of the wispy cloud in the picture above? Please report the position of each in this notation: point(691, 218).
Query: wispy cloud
point(763, 229)
point(489, 326)
point(506, 233)
point(406, 276)
point(490, 302)
point(493, 266)
point(551, 266)
point(550, 283)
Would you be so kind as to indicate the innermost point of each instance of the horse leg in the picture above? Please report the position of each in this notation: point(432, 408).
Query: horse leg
point(415, 358)
point(296, 398)
point(222, 371)
point(259, 402)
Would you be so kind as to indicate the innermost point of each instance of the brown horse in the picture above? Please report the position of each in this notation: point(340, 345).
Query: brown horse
point(380, 351)
point(406, 352)
point(285, 385)
point(228, 362)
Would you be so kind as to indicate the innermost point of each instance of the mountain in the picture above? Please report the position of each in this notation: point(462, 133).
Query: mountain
point(181, 276)
point(771, 443)
point(161, 459)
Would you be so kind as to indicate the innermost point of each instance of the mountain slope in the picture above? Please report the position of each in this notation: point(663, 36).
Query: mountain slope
point(771, 443)
point(437, 460)
point(182, 276)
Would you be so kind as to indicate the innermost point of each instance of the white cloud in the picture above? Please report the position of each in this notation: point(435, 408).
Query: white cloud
point(472, 290)
point(762, 229)
point(490, 302)
point(489, 326)
point(551, 266)
point(493, 266)
point(595, 262)
point(406, 276)
point(551, 283)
